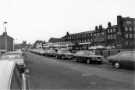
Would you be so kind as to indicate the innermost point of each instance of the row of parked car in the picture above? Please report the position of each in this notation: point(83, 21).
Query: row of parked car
point(12, 71)
point(125, 59)
point(80, 56)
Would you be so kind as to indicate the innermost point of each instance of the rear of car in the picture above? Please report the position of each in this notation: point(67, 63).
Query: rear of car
point(64, 54)
point(88, 57)
point(51, 53)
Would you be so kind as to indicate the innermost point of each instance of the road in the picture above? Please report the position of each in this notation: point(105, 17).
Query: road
point(51, 74)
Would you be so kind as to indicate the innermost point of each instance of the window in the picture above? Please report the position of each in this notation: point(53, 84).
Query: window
point(102, 33)
point(114, 30)
point(130, 35)
point(130, 28)
point(114, 36)
point(108, 36)
point(126, 43)
point(110, 30)
point(126, 28)
point(126, 35)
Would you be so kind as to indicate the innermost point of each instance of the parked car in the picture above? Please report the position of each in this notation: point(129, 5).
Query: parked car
point(125, 59)
point(64, 54)
point(51, 53)
point(10, 77)
point(14, 56)
point(88, 57)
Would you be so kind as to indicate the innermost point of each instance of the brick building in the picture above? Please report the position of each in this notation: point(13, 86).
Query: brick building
point(120, 36)
point(6, 42)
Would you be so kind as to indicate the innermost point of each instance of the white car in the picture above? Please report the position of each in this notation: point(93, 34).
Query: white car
point(10, 78)
point(14, 56)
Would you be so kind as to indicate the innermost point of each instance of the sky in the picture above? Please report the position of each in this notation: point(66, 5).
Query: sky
point(33, 20)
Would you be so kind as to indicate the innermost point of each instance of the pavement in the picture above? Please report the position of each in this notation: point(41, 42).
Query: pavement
point(52, 74)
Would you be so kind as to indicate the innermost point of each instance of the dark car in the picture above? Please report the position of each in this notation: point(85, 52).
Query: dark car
point(64, 54)
point(125, 59)
point(88, 57)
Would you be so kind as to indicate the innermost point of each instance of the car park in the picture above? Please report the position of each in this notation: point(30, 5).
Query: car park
point(125, 59)
point(10, 77)
point(64, 54)
point(88, 57)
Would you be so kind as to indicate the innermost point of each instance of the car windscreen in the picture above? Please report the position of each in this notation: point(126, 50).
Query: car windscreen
point(51, 51)
point(16, 56)
point(84, 53)
point(63, 51)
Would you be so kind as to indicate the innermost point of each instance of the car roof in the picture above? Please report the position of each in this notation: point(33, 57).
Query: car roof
point(125, 55)
point(6, 71)
point(14, 52)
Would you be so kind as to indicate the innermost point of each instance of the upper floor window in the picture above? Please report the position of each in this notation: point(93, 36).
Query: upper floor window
point(130, 28)
point(126, 42)
point(126, 35)
point(126, 28)
point(109, 37)
point(114, 36)
point(114, 30)
point(102, 33)
point(110, 30)
point(130, 35)
point(134, 28)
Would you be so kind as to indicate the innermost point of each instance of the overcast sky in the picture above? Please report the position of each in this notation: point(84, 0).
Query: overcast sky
point(41, 19)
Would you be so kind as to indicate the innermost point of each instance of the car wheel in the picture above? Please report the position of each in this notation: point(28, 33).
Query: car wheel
point(88, 61)
point(117, 65)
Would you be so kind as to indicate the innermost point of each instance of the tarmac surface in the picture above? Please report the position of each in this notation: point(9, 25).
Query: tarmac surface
point(47, 73)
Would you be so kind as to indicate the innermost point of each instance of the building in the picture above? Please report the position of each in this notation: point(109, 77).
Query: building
point(6, 42)
point(23, 45)
point(120, 36)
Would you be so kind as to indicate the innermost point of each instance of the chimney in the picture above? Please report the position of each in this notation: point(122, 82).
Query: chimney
point(109, 24)
point(119, 19)
point(100, 27)
point(96, 28)
point(67, 34)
